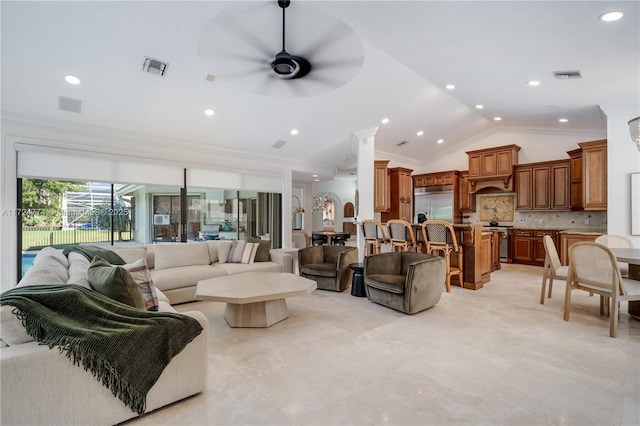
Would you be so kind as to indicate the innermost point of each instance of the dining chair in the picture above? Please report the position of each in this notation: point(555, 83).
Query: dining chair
point(617, 241)
point(553, 269)
point(440, 238)
point(373, 234)
point(401, 236)
point(593, 268)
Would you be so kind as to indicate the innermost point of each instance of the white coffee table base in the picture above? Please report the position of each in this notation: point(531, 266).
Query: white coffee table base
point(254, 299)
point(259, 314)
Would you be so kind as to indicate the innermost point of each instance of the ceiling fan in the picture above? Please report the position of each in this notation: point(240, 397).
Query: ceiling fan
point(286, 65)
point(239, 47)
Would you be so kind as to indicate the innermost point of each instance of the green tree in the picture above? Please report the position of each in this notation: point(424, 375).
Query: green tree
point(121, 217)
point(42, 200)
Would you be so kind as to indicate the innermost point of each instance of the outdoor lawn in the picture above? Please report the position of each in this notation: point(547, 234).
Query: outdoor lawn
point(35, 238)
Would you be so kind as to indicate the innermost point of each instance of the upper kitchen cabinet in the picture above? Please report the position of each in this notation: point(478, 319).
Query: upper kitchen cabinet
point(466, 200)
point(434, 179)
point(543, 186)
point(588, 173)
point(400, 195)
point(380, 186)
point(594, 174)
point(492, 164)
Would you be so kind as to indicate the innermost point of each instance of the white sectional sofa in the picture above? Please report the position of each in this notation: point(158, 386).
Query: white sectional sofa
point(40, 386)
point(176, 268)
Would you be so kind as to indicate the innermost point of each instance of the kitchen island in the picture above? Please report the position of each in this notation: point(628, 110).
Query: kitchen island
point(480, 253)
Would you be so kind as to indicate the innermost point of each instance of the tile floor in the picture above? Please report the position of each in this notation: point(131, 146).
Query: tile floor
point(489, 357)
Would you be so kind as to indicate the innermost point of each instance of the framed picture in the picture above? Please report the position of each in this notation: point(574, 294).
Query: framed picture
point(635, 203)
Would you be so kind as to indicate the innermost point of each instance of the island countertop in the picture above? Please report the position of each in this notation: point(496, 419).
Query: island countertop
point(582, 231)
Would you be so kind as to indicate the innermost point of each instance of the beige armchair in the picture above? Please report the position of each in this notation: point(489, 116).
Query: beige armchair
point(328, 265)
point(405, 281)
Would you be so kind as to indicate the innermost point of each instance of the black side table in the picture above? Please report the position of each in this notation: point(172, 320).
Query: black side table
point(357, 283)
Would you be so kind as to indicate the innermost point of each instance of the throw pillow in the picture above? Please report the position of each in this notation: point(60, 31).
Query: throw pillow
point(224, 247)
point(249, 254)
point(262, 255)
point(236, 252)
point(140, 273)
point(114, 282)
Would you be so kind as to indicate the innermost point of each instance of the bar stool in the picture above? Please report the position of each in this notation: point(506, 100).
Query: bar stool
point(373, 234)
point(440, 237)
point(398, 231)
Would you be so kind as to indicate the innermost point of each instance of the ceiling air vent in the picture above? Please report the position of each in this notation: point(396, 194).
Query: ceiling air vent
point(567, 75)
point(279, 144)
point(69, 104)
point(154, 66)
point(402, 143)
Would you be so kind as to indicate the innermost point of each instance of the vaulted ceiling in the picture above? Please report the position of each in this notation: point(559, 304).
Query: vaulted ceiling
point(370, 60)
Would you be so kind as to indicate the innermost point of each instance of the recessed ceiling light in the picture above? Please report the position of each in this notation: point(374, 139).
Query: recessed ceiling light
point(563, 120)
point(611, 16)
point(385, 120)
point(314, 175)
point(316, 180)
point(450, 86)
point(533, 83)
point(479, 106)
point(440, 140)
point(209, 112)
point(71, 79)
point(420, 133)
point(497, 118)
point(294, 131)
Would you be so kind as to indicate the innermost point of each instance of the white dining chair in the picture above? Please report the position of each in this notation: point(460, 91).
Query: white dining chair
point(553, 269)
point(617, 241)
point(593, 268)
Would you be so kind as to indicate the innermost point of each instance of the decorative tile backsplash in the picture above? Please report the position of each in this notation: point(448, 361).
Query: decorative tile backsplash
point(496, 207)
point(503, 206)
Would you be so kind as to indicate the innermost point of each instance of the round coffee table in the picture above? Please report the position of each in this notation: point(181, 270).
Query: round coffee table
point(357, 283)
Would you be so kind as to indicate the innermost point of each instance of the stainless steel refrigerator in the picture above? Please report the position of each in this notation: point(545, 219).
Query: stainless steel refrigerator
point(434, 202)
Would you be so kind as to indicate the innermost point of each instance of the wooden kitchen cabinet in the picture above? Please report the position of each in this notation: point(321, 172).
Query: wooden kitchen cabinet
point(566, 239)
point(493, 164)
point(466, 200)
point(575, 174)
point(380, 186)
point(588, 174)
point(543, 186)
point(528, 245)
point(594, 175)
point(400, 195)
point(523, 246)
point(434, 179)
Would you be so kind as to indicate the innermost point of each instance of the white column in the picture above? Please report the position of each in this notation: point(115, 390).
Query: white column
point(623, 158)
point(364, 147)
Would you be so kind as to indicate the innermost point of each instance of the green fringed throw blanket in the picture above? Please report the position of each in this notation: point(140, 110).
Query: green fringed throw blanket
point(125, 348)
point(92, 251)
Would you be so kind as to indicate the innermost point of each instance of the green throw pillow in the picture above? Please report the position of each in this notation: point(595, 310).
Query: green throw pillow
point(262, 255)
point(114, 282)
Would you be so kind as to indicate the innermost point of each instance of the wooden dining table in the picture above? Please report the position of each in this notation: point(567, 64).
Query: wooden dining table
point(632, 257)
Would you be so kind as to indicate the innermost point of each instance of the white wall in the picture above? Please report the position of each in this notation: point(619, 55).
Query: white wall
point(623, 158)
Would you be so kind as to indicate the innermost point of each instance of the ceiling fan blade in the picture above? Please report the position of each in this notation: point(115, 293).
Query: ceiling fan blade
point(333, 64)
point(332, 35)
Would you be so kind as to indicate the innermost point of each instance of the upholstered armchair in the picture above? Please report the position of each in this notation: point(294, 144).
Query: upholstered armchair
point(328, 265)
point(405, 281)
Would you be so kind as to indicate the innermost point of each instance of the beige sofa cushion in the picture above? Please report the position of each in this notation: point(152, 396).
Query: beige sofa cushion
point(130, 254)
point(238, 268)
point(11, 328)
point(181, 254)
point(78, 265)
point(184, 276)
point(51, 253)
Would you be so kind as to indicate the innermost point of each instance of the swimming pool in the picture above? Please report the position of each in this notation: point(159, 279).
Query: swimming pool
point(27, 261)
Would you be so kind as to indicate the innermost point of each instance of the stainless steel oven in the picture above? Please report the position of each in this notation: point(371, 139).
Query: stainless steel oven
point(504, 243)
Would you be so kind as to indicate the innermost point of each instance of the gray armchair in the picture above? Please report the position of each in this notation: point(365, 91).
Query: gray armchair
point(405, 281)
point(328, 265)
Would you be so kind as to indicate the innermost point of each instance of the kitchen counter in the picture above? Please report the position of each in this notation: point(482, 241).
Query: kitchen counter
point(579, 231)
